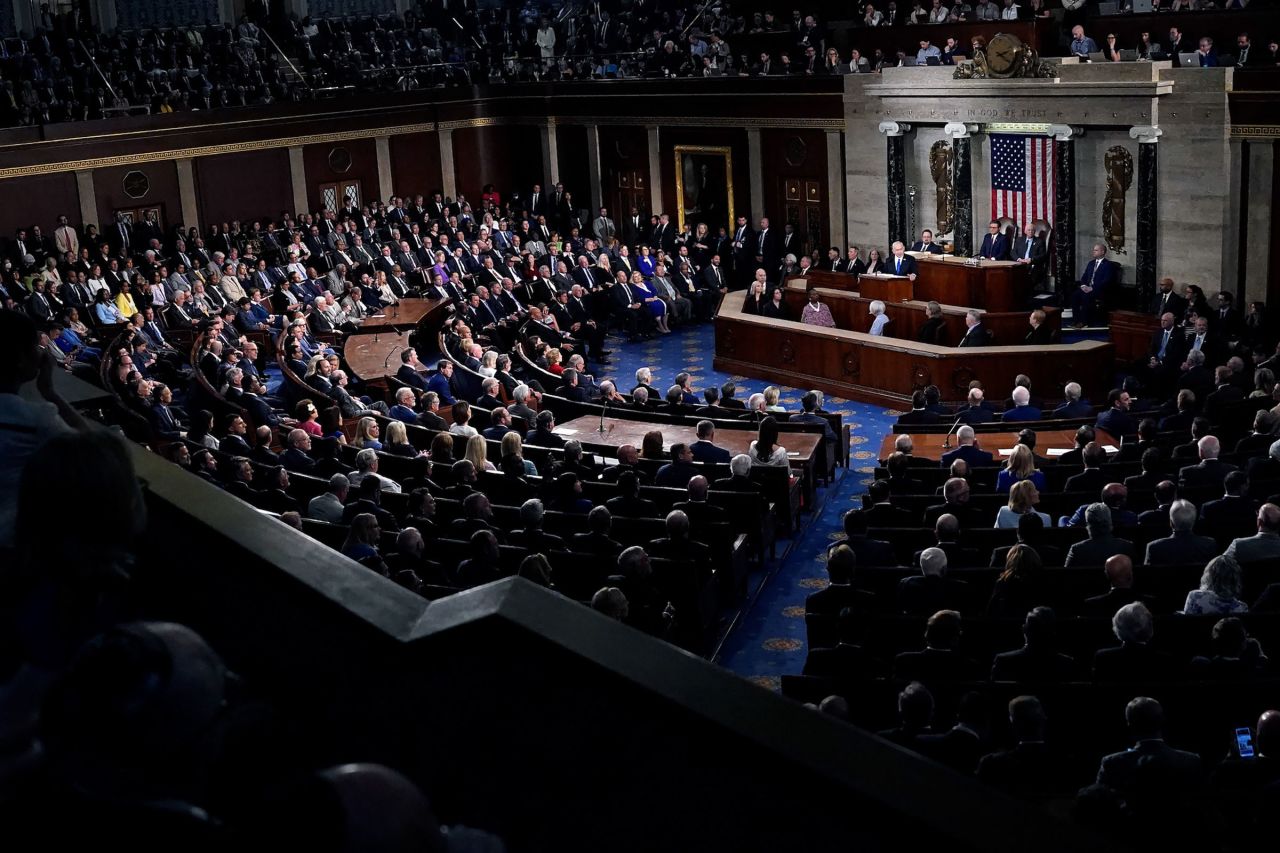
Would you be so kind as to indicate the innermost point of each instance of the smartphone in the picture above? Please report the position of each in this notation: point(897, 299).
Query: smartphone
point(1244, 742)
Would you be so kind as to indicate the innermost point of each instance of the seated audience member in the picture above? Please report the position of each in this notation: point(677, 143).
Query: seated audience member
point(879, 318)
point(868, 551)
point(1182, 545)
point(1031, 770)
point(1020, 467)
point(1039, 658)
point(918, 414)
point(947, 533)
point(976, 410)
point(1101, 545)
point(915, 715)
point(1022, 409)
point(1152, 462)
point(1263, 545)
point(1072, 406)
point(677, 545)
point(1092, 477)
point(962, 745)
point(1166, 492)
point(931, 590)
point(1115, 496)
point(1116, 419)
point(1092, 290)
point(628, 503)
point(679, 471)
point(1232, 515)
point(1235, 655)
point(1020, 587)
point(955, 494)
point(482, 566)
point(878, 509)
point(361, 544)
point(939, 661)
point(596, 540)
point(1152, 776)
point(531, 536)
point(1031, 533)
point(764, 449)
point(704, 449)
point(816, 313)
point(1243, 789)
point(1119, 573)
point(367, 467)
point(1023, 498)
point(330, 505)
point(968, 450)
point(1134, 659)
point(1211, 471)
point(1219, 591)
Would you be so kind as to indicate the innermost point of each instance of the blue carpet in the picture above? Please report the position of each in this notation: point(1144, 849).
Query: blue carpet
point(768, 640)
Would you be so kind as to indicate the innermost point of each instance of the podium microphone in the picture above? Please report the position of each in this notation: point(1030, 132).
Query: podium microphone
point(946, 441)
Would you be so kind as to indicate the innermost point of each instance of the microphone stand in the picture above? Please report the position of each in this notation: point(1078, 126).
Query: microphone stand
point(386, 362)
point(603, 409)
point(946, 441)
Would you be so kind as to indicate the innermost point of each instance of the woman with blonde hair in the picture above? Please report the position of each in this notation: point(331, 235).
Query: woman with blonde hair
point(512, 445)
point(553, 361)
point(398, 441)
point(1021, 466)
point(771, 395)
point(1023, 498)
point(477, 452)
point(367, 434)
point(489, 363)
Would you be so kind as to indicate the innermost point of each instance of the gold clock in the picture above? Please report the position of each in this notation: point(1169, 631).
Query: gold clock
point(1005, 55)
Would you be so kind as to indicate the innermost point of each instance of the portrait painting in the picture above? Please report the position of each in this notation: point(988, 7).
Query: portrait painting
point(704, 186)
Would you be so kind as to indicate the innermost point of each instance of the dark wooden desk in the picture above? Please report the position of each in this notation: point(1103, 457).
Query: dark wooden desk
point(930, 445)
point(991, 285)
point(887, 370)
point(1131, 332)
point(403, 316)
point(851, 310)
point(887, 288)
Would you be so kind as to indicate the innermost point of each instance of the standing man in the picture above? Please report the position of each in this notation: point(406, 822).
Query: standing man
point(603, 227)
point(900, 263)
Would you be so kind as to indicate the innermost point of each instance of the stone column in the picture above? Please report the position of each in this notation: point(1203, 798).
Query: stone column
point(655, 173)
point(386, 186)
point(187, 193)
point(448, 175)
point(896, 151)
point(1064, 205)
point(298, 179)
point(962, 186)
point(755, 169)
point(550, 154)
point(836, 231)
point(593, 169)
point(88, 199)
point(1148, 214)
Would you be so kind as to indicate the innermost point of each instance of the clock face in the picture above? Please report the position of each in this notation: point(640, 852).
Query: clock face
point(136, 184)
point(1003, 54)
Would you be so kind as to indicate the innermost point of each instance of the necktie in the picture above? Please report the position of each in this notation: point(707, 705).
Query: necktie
point(1028, 253)
point(897, 265)
point(1164, 343)
point(627, 290)
point(1199, 341)
point(1092, 271)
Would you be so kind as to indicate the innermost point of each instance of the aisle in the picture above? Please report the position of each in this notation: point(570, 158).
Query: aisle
point(768, 640)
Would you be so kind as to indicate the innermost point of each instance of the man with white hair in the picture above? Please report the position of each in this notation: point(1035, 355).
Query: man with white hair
point(1210, 472)
point(1183, 546)
point(967, 449)
point(403, 409)
point(977, 334)
point(1134, 659)
point(1265, 544)
point(1072, 405)
point(756, 408)
point(367, 467)
point(520, 408)
point(930, 591)
point(644, 379)
point(740, 476)
point(1022, 409)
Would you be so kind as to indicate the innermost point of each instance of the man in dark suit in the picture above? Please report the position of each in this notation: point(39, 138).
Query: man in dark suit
point(1166, 351)
point(677, 545)
point(879, 512)
point(1232, 516)
point(696, 507)
point(571, 389)
point(1134, 659)
point(868, 551)
point(541, 435)
point(1099, 274)
point(596, 541)
point(900, 263)
point(679, 471)
point(1115, 419)
point(763, 251)
point(1038, 333)
point(409, 372)
point(1101, 545)
point(918, 414)
point(995, 245)
point(1119, 572)
point(1224, 394)
point(1031, 249)
point(628, 503)
point(704, 449)
point(1022, 409)
point(939, 660)
point(1210, 471)
point(1258, 443)
point(1038, 659)
point(1151, 776)
point(967, 450)
point(926, 244)
point(1030, 770)
point(976, 334)
point(1167, 300)
point(1072, 406)
point(1182, 546)
point(955, 493)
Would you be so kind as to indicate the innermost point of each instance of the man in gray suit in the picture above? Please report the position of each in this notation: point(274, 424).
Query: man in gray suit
point(1183, 546)
point(603, 227)
point(1101, 545)
point(1265, 544)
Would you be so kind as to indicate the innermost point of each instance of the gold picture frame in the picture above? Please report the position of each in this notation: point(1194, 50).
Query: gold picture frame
point(704, 193)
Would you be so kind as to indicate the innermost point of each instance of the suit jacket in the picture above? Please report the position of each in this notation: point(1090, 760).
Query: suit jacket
point(1181, 548)
point(1096, 552)
point(705, 451)
point(1105, 606)
point(1209, 472)
point(1032, 664)
point(1038, 258)
point(994, 246)
point(1100, 277)
point(976, 336)
point(1149, 770)
point(934, 248)
point(1039, 336)
point(934, 665)
point(970, 454)
point(909, 266)
point(1022, 413)
point(924, 595)
point(1229, 517)
point(1172, 303)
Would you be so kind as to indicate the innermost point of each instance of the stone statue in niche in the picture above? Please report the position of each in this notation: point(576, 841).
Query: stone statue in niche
point(940, 169)
point(1119, 165)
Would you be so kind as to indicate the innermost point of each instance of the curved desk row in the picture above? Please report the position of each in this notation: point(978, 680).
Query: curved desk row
point(989, 285)
point(373, 352)
point(851, 311)
point(887, 370)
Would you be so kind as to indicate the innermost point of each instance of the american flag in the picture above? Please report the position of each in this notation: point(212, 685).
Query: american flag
point(1022, 178)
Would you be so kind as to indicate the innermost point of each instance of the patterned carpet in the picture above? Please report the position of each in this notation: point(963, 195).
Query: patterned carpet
point(769, 639)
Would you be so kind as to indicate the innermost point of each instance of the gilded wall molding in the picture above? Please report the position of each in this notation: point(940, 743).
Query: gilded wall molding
point(211, 150)
point(1265, 131)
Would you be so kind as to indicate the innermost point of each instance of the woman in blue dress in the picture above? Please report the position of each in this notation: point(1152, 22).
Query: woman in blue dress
point(645, 263)
point(646, 294)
